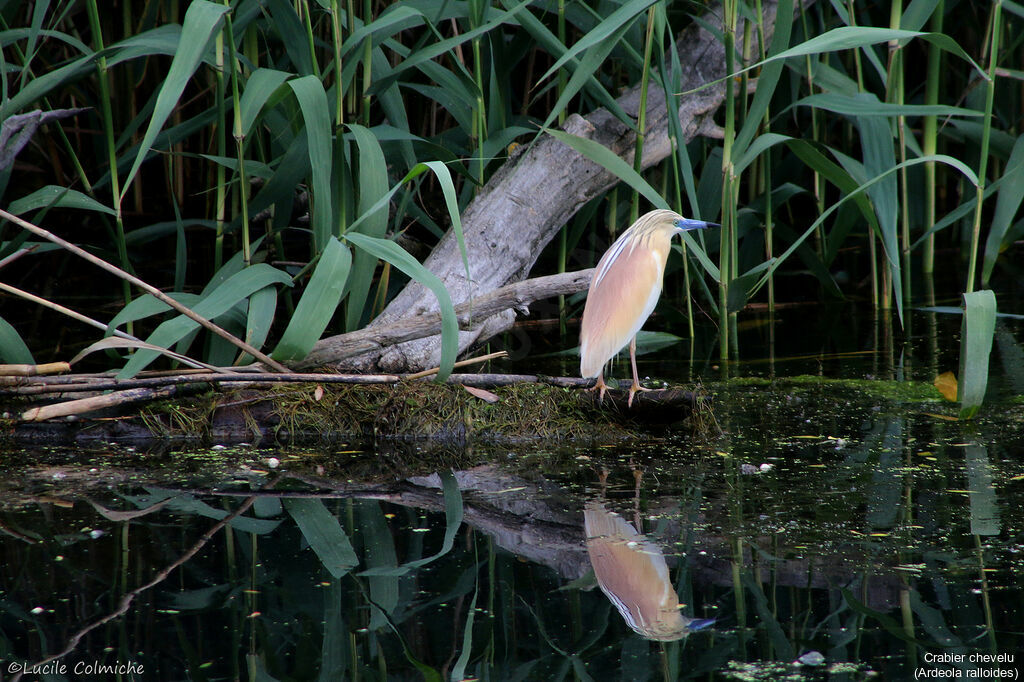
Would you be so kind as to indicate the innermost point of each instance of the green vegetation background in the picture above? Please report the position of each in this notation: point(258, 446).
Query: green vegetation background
point(283, 167)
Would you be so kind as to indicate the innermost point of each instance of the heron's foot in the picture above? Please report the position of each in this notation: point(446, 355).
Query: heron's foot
point(601, 389)
point(633, 390)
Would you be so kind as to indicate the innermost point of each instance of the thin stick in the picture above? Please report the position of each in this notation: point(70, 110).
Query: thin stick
point(66, 311)
point(107, 384)
point(460, 363)
point(149, 289)
point(16, 255)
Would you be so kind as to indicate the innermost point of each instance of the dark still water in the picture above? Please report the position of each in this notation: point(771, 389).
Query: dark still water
point(833, 523)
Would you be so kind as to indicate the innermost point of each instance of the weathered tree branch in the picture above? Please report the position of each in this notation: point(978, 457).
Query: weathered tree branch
point(472, 314)
point(524, 204)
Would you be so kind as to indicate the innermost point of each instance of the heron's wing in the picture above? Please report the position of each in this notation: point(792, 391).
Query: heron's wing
point(618, 304)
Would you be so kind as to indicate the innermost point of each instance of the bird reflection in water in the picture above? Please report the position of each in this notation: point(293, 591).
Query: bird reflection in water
point(631, 571)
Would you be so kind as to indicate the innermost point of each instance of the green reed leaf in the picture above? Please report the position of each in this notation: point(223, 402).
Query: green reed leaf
point(324, 534)
point(611, 162)
point(12, 349)
point(855, 37)
point(977, 329)
point(917, 13)
point(1008, 201)
point(834, 173)
point(162, 40)
point(985, 518)
point(259, 88)
point(288, 25)
point(219, 301)
point(865, 106)
point(876, 142)
point(54, 196)
point(550, 43)
point(315, 112)
point(442, 46)
point(259, 319)
point(202, 21)
point(393, 20)
point(610, 28)
point(451, 202)
point(373, 184)
point(766, 81)
point(318, 303)
point(291, 168)
point(589, 65)
point(147, 305)
point(852, 37)
point(391, 252)
point(964, 169)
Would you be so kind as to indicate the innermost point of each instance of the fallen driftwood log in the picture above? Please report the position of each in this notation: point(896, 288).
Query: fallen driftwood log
point(528, 200)
point(235, 408)
point(471, 314)
point(107, 392)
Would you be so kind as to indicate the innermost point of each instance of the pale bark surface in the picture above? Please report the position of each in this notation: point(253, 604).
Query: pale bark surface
point(529, 199)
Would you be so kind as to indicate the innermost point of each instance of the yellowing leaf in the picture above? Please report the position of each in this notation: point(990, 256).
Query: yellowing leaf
point(946, 383)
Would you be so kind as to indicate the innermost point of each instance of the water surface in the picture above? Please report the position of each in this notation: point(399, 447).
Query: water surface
point(829, 528)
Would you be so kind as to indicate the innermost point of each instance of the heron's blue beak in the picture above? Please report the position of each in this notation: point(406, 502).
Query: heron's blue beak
point(700, 623)
point(687, 224)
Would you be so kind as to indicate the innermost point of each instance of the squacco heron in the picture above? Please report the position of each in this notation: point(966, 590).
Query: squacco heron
point(631, 571)
point(624, 291)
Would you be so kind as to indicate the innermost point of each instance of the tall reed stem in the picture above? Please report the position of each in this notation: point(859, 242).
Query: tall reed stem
point(728, 232)
point(563, 78)
point(641, 117)
point(993, 58)
point(339, 116)
point(894, 94)
point(220, 199)
point(818, 181)
point(307, 21)
point(108, 135)
point(480, 118)
point(678, 186)
point(367, 62)
point(766, 181)
point(929, 143)
point(563, 246)
point(350, 13)
point(872, 249)
point(239, 135)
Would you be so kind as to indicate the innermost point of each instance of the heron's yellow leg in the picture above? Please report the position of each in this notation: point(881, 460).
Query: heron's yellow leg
point(636, 387)
point(600, 387)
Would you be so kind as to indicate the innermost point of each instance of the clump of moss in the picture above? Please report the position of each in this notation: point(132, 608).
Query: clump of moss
point(180, 418)
point(440, 411)
point(899, 391)
point(443, 413)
